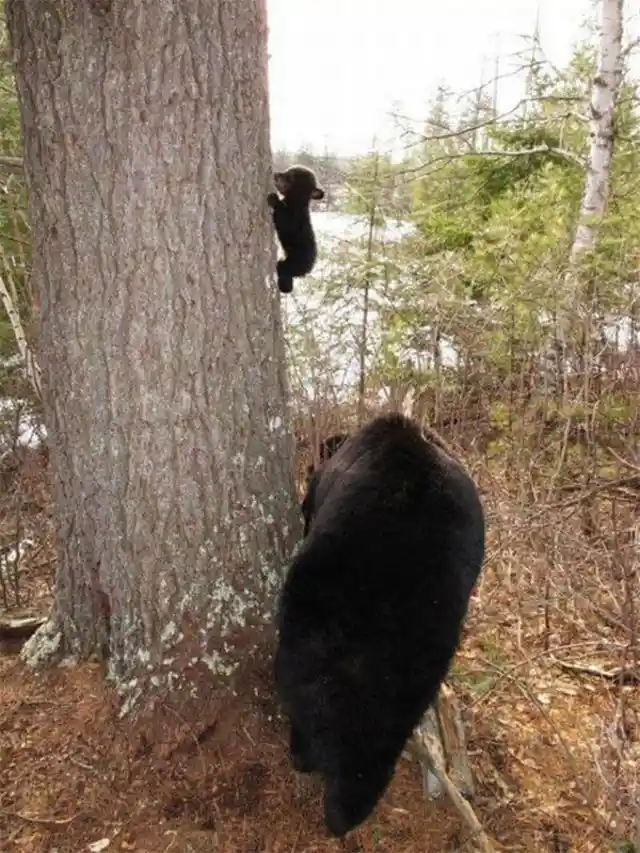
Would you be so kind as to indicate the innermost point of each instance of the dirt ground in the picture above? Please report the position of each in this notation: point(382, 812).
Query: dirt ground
point(74, 777)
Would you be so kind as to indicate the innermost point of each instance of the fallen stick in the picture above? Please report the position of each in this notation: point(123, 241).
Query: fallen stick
point(19, 627)
point(427, 749)
point(49, 822)
point(624, 676)
point(439, 744)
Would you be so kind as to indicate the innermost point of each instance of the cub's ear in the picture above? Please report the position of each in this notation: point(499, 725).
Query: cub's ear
point(317, 194)
point(281, 180)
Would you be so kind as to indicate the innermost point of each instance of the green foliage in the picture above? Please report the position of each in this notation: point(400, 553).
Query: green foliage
point(625, 846)
point(475, 301)
point(495, 223)
point(371, 184)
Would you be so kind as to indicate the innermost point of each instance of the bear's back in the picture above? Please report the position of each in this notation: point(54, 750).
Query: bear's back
point(396, 538)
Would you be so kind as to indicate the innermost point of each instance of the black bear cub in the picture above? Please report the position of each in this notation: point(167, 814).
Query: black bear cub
point(292, 220)
point(371, 611)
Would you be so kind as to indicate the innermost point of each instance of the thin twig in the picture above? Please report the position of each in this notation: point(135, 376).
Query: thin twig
point(623, 461)
point(621, 675)
point(49, 822)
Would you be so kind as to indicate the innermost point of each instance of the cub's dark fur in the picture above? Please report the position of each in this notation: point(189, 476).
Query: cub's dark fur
point(292, 220)
point(371, 611)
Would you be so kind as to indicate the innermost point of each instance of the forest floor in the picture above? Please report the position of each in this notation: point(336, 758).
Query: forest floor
point(75, 777)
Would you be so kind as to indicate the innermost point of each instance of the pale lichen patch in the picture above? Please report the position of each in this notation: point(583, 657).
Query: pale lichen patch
point(43, 646)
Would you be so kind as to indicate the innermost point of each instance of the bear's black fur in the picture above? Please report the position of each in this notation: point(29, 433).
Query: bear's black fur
point(328, 447)
point(292, 220)
point(372, 608)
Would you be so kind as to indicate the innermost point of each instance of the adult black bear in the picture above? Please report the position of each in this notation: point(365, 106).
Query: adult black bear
point(292, 220)
point(372, 608)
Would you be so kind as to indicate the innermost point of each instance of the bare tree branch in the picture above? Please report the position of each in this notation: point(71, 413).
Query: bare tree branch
point(30, 362)
point(12, 164)
point(633, 44)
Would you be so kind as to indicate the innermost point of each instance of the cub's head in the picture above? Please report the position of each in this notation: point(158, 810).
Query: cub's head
point(298, 185)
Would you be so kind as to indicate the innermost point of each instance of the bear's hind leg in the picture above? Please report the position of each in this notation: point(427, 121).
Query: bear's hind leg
point(285, 279)
point(300, 750)
point(352, 795)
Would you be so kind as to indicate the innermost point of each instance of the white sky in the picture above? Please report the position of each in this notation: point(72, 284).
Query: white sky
point(337, 66)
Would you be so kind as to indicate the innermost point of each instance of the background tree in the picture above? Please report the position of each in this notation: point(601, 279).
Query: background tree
point(147, 158)
point(605, 89)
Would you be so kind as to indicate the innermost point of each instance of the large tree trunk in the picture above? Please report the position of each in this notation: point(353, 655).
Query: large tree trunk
point(147, 156)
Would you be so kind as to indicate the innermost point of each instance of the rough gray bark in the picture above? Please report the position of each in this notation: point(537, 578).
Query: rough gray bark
point(148, 162)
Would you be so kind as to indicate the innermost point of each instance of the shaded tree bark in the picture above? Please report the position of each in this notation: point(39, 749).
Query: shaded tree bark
point(147, 156)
